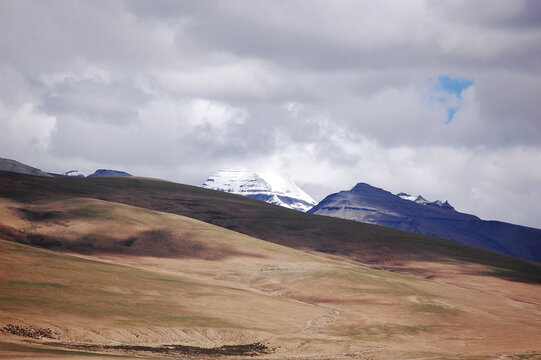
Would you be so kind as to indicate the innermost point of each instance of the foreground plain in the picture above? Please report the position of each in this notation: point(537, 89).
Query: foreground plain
point(108, 278)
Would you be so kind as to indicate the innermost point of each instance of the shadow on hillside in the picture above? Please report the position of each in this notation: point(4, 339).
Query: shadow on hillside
point(157, 243)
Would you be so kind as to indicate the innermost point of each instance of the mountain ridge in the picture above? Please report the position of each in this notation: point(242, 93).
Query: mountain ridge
point(419, 199)
point(370, 204)
point(18, 167)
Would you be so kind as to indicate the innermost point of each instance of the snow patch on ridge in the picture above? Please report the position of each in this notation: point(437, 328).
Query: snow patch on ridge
point(74, 173)
point(422, 201)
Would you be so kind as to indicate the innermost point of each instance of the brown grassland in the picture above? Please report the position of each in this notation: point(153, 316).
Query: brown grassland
point(138, 267)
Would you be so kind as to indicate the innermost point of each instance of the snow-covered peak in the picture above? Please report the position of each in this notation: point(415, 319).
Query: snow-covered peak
point(422, 201)
point(74, 173)
point(269, 187)
point(407, 196)
point(236, 181)
point(282, 186)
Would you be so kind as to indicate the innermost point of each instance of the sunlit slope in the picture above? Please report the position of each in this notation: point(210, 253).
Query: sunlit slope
point(150, 278)
point(369, 244)
point(91, 301)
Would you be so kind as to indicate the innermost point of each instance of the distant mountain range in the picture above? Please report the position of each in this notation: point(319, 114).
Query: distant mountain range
point(363, 203)
point(97, 173)
point(374, 205)
point(268, 187)
point(17, 167)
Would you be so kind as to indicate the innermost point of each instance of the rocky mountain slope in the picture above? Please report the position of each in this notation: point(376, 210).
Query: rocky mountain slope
point(267, 187)
point(376, 206)
point(15, 166)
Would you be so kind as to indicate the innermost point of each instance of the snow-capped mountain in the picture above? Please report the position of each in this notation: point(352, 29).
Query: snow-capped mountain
point(73, 173)
point(402, 211)
point(268, 187)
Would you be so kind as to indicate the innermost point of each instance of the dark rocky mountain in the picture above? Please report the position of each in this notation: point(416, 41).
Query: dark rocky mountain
point(107, 172)
point(15, 166)
point(369, 204)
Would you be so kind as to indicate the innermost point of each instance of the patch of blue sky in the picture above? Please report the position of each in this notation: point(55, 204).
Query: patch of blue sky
point(450, 114)
point(447, 91)
point(453, 85)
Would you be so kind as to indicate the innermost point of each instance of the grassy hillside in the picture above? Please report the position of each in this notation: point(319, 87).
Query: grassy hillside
point(368, 244)
point(119, 279)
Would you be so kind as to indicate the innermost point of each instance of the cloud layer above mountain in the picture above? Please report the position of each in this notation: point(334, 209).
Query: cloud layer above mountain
point(432, 97)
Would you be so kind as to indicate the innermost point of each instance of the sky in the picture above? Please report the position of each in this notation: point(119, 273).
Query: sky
point(439, 98)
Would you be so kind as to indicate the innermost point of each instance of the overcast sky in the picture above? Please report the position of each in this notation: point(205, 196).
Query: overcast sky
point(439, 98)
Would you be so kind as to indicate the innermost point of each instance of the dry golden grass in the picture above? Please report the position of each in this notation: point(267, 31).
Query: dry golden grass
point(118, 274)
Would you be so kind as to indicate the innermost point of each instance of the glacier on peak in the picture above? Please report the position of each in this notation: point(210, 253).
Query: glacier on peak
point(265, 186)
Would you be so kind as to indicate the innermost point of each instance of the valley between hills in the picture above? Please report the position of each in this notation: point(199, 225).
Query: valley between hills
point(135, 267)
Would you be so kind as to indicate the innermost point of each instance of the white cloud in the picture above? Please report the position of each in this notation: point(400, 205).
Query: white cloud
point(24, 131)
point(215, 115)
point(231, 78)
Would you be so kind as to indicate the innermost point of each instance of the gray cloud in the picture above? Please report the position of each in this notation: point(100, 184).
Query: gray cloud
point(327, 93)
point(94, 101)
point(498, 13)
